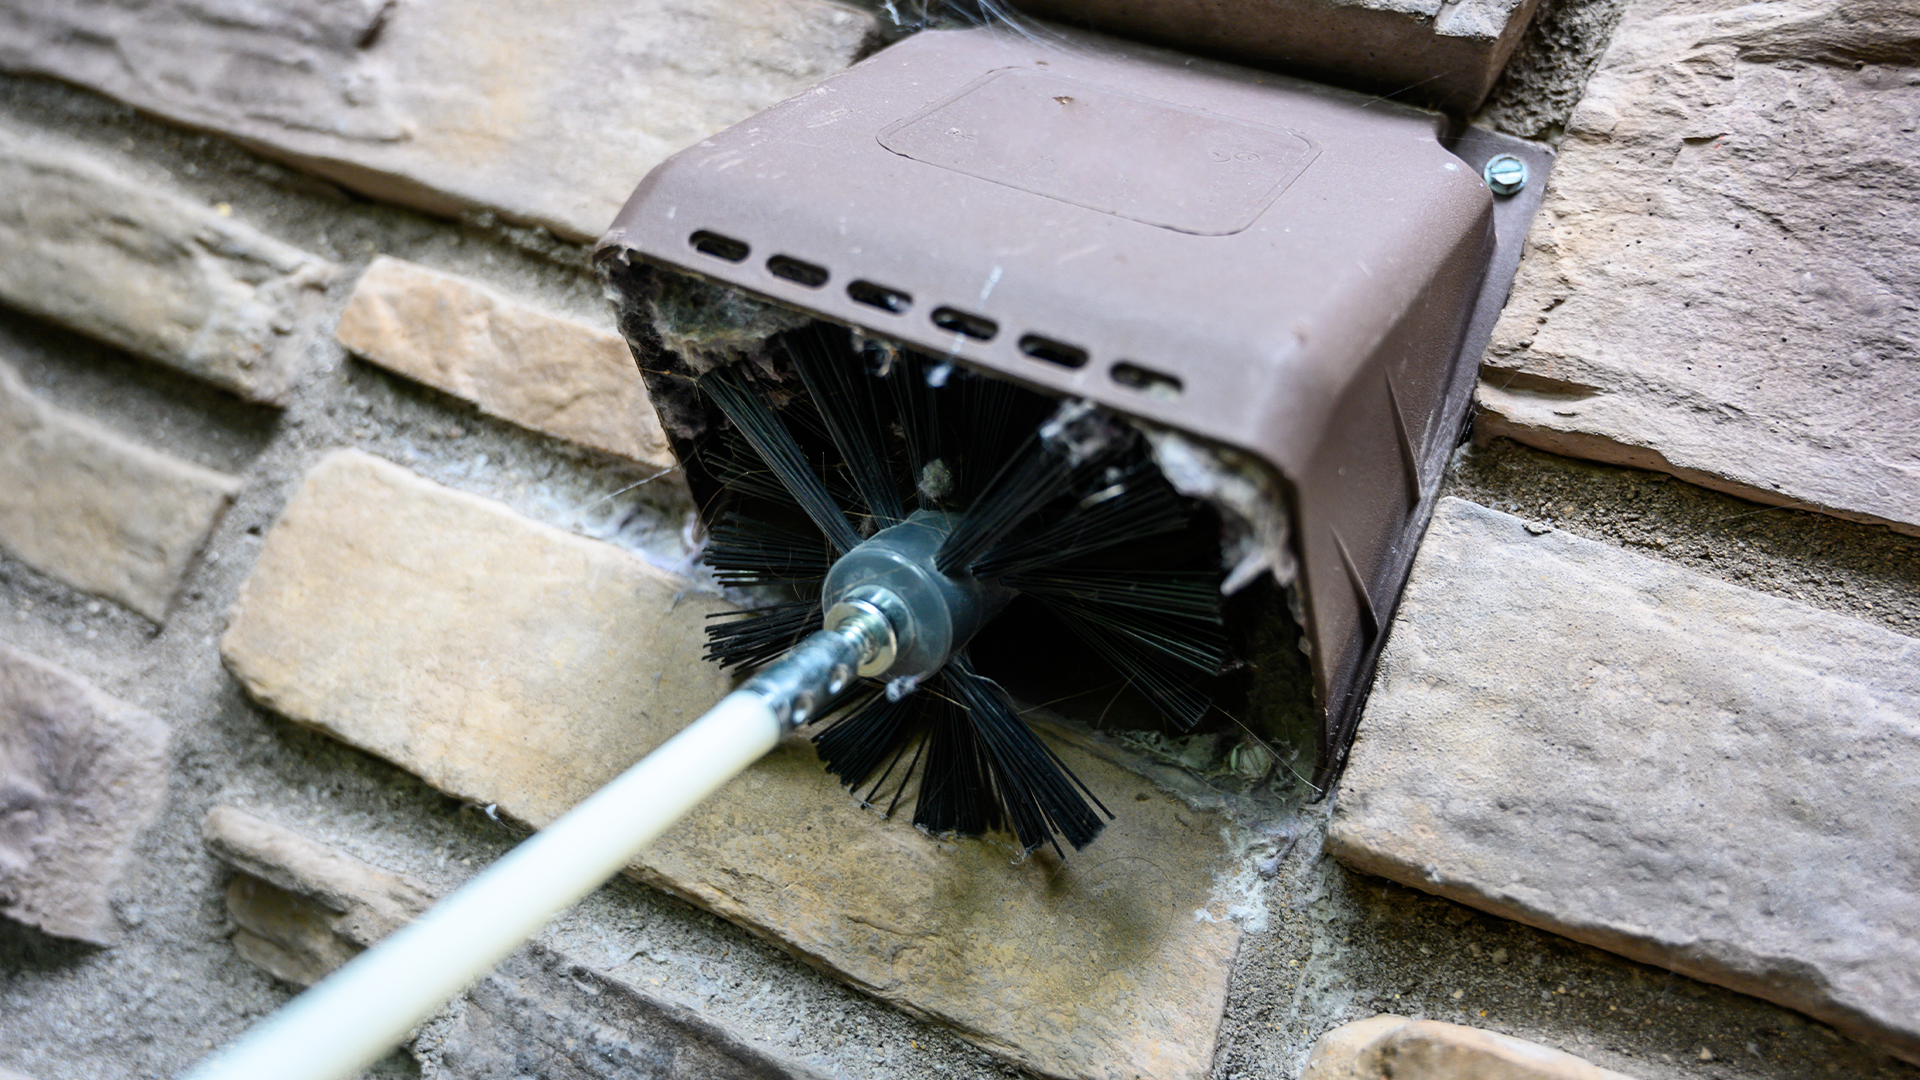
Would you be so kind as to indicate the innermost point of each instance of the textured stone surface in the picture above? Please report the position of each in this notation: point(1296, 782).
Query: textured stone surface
point(509, 663)
point(1388, 1047)
point(540, 1014)
point(284, 934)
point(453, 637)
point(1725, 279)
point(99, 512)
point(1430, 52)
point(553, 375)
point(545, 119)
point(1697, 776)
point(80, 773)
point(1549, 68)
point(84, 244)
point(304, 908)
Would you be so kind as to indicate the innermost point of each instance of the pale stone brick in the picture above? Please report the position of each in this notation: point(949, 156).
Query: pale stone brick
point(83, 244)
point(305, 908)
point(1722, 281)
point(1700, 777)
point(1388, 1047)
point(580, 1024)
point(552, 375)
point(80, 773)
point(102, 513)
point(512, 664)
point(547, 115)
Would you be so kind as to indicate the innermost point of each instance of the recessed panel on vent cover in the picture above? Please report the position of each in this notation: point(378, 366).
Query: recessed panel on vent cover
point(1135, 157)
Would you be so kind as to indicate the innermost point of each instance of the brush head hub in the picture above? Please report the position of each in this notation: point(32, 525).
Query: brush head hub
point(932, 615)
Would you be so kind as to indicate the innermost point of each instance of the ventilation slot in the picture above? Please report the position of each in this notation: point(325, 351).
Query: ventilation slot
point(720, 247)
point(866, 292)
point(977, 327)
point(1154, 384)
point(806, 273)
point(1053, 352)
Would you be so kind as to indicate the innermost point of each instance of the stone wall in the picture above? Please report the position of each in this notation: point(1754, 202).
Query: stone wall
point(338, 547)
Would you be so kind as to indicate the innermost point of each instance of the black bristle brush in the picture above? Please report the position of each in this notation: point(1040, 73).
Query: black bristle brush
point(896, 509)
point(1061, 505)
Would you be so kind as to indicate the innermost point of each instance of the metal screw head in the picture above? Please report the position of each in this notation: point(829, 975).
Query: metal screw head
point(1505, 174)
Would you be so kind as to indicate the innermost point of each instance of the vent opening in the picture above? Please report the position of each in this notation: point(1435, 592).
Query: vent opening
point(1154, 384)
point(718, 246)
point(806, 273)
point(866, 292)
point(1053, 352)
point(978, 327)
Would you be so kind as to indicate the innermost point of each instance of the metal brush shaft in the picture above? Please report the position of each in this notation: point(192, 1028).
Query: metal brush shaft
point(365, 1008)
point(805, 682)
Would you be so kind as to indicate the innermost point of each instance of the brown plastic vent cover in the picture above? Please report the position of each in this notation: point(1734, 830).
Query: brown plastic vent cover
point(1296, 280)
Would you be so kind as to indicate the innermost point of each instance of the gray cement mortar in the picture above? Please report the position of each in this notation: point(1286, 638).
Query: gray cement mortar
point(1324, 946)
point(1549, 68)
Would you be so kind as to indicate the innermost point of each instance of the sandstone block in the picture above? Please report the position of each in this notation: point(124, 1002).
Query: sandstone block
point(552, 375)
point(284, 934)
point(540, 1013)
point(548, 116)
point(156, 274)
point(305, 908)
point(97, 511)
point(80, 773)
point(1721, 281)
point(509, 663)
point(1697, 776)
point(1386, 1046)
point(1423, 51)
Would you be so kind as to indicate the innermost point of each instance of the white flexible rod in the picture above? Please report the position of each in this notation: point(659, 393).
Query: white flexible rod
point(352, 1017)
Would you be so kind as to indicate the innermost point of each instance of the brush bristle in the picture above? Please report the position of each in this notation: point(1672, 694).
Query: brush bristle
point(763, 430)
point(751, 638)
point(1062, 503)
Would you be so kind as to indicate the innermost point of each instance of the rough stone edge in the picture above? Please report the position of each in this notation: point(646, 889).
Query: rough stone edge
point(543, 962)
point(319, 273)
point(1500, 52)
point(1336, 1053)
point(1694, 963)
point(381, 904)
point(305, 150)
point(115, 711)
point(324, 877)
point(224, 485)
point(1491, 421)
point(1366, 1049)
point(354, 327)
